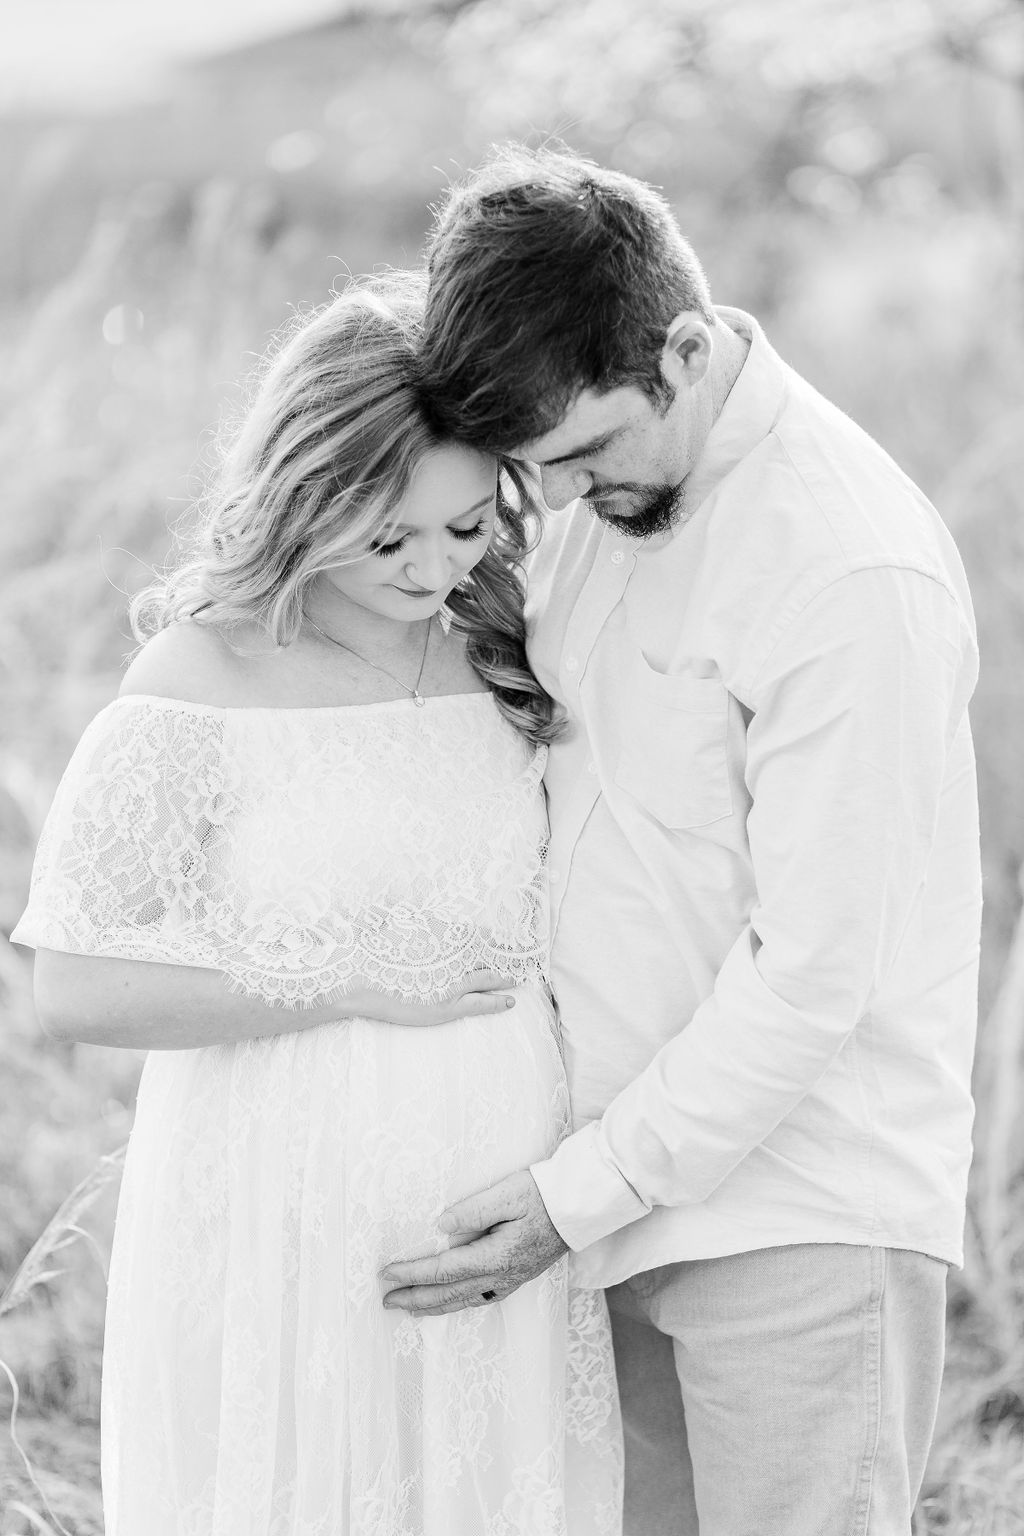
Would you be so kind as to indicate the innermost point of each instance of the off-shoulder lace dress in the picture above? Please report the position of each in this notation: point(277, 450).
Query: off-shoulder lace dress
point(253, 1385)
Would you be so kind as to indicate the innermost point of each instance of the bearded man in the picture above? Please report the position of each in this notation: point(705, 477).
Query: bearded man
point(764, 865)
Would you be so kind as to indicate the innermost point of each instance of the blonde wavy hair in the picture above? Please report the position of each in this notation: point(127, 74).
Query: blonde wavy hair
point(312, 478)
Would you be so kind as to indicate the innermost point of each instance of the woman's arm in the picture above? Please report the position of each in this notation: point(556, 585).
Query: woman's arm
point(148, 1006)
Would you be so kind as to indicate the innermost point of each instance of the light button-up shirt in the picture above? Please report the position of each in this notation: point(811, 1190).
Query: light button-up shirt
point(764, 851)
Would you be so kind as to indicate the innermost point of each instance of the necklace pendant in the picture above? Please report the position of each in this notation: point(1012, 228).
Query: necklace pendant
point(418, 699)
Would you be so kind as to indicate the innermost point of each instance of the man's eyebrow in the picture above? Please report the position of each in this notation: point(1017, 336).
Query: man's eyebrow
point(476, 507)
point(593, 446)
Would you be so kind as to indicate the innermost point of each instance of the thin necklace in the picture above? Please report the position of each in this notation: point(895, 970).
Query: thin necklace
point(414, 691)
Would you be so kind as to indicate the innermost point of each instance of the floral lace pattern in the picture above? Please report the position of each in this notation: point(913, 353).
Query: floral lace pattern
point(253, 1383)
point(298, 849)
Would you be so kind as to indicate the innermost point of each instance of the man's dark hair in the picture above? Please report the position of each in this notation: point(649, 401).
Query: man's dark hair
point(548, 275)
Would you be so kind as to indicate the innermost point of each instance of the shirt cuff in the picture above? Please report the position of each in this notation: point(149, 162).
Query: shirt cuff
point(583, 1191)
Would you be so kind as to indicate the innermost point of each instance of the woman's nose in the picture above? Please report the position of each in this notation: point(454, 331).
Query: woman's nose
point(429, 568)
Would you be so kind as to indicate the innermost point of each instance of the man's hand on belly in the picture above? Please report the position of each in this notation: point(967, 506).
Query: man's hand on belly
point(501, 1238)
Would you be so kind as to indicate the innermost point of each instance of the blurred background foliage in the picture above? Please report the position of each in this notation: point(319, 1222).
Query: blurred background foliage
point(852, 171)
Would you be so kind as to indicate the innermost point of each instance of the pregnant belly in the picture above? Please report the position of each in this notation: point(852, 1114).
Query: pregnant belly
point(361, 1130)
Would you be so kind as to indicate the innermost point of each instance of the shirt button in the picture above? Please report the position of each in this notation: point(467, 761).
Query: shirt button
point(553, 876)
point(572, 665)
point(617, 557)
point(591, 767)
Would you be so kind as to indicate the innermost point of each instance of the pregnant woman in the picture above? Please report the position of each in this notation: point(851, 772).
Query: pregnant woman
point(312, 824)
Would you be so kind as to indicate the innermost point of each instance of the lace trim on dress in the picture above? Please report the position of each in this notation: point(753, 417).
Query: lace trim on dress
point(182, 834)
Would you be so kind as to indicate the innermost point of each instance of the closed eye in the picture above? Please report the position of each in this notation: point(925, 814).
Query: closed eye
point(389, 549)
point(457, 533)
point(468, 533)
point(585, 451)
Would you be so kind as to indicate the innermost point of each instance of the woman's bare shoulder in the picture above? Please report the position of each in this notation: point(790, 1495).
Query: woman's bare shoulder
point(191, 662)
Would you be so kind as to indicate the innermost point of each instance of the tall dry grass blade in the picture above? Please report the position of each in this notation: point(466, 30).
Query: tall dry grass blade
point(997, 1135)
point(16, 1507)
point(59, 1232)
point(13, 1427)
point(93, 1247)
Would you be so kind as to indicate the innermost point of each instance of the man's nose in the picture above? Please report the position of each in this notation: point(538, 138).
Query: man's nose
point(562, 485)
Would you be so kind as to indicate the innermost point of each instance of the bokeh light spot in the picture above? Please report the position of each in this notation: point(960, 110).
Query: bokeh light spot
point(294, 151)
point(121, 322)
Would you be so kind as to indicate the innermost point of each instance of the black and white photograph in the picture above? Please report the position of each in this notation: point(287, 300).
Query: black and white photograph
point(511, 811)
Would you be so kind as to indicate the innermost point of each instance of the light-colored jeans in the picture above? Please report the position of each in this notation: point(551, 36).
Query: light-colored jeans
point(785, 1392)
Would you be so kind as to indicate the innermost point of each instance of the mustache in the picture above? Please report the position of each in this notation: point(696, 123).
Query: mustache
point(621, 487)
point(656, 508)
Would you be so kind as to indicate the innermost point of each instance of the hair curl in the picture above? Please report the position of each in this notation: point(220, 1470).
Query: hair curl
point(311, 478)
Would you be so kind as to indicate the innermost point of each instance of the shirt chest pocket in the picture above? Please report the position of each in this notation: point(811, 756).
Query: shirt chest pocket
point(674, 758)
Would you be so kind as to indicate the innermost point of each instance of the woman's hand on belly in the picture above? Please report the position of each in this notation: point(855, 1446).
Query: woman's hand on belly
point(142, 1004)
point(481, 992)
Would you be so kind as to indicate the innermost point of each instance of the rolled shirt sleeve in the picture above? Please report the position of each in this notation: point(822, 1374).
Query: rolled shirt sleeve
point(853, 714)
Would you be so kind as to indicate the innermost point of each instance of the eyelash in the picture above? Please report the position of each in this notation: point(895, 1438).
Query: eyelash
point(457, 533)
point(594, 451)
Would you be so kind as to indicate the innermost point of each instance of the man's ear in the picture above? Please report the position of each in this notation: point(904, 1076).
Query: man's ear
point(688, 348)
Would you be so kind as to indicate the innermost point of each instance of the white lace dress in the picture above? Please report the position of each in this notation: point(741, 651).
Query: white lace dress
point(253, 1383)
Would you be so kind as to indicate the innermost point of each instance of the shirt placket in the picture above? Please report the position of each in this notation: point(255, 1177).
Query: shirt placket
point(603, 590)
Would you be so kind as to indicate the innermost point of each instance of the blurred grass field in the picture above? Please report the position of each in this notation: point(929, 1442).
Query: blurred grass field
point(146, 257)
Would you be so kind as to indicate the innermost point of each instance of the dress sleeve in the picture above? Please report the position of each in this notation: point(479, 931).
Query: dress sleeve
point(131, 862)
point(172, 840)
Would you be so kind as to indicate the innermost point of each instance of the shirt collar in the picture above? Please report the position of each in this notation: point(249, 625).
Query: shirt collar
point(751, 409)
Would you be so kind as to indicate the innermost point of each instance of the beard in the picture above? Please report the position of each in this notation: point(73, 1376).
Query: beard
point(655, 508)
